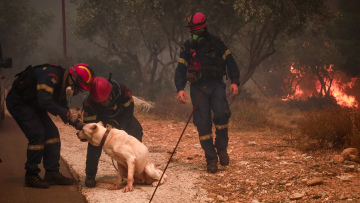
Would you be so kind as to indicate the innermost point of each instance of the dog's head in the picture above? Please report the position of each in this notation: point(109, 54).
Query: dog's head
point(92, 132)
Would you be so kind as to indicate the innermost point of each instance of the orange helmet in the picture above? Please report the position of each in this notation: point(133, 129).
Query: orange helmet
point(83, 75)
point(197, 21)
point(100, 89)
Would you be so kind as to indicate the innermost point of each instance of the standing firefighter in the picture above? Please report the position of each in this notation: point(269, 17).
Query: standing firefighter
point(204, 60)
point(37, 91)
point(111, 103)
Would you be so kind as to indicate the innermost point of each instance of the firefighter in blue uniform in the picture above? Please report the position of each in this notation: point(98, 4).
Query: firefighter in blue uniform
point(111, 103)
point(37, 91)
point(204, 60)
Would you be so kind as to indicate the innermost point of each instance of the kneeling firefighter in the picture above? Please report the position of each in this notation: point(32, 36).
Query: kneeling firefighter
point(37, 91)
point(204, 61)
point(111, 103)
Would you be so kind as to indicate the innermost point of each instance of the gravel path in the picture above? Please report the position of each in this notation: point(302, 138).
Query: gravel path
point(182, 185)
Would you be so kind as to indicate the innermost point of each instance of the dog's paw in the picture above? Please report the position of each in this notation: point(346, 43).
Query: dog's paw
point(128, 188)
point(154, 184)
point(114, 187)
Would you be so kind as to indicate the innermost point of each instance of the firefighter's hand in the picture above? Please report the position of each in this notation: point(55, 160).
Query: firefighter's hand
point(72, 116)
point(234, 90)
point(78, 124)
point(182, 96)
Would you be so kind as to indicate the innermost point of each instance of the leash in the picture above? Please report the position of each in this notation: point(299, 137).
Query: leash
point(197, 102)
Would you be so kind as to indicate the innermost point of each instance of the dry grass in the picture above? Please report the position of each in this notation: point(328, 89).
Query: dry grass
point(331, 127)
point(169, 108)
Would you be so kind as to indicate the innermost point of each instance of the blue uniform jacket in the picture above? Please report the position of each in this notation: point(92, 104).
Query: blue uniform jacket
point(221, 51)
point(120, 108)
point(49, 90)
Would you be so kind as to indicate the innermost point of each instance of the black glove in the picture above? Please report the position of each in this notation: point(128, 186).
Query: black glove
point(78, 124)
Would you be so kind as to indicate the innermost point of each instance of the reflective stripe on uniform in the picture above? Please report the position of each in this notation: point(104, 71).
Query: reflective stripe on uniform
point(90, 118)
point(205, 137)
point(220, 127)
point(129, 102)
point(52, 141)
point(181, 60)
point(45, 87)
point(227, 52)
point(35, 147)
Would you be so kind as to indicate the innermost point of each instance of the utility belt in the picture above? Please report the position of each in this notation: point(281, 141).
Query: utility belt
point(214, 73)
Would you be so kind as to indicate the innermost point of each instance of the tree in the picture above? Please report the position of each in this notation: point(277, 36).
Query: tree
point(21, 27)
point(270, 22)
point(345, 33)
point(129, 32)
point(301, 63)
point(141, 32)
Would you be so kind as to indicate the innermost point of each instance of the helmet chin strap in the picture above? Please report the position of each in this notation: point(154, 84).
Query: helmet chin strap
point(68, 86)
point(64, 85)
point(69, 92)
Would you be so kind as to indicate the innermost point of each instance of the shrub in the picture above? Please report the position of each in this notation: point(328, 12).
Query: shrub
point(170, 108)
point(313, 102)
point(330, 127)
point(247, 114)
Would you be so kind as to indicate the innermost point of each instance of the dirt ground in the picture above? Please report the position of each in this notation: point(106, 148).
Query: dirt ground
point(264, 167)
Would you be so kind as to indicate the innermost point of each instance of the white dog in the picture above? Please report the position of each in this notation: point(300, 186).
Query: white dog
point(131, 155)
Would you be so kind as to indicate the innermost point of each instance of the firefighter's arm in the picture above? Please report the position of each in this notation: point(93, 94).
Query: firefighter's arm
point(127, 108)
point(46, 83)
point(47, 103)
point(90, 114)
point(181, 69)
point(127, 99)
point(231, 65)
point(128, 111)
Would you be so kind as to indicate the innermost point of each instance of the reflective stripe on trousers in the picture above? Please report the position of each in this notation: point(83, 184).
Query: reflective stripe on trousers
point(213, 102)
point(41, 132)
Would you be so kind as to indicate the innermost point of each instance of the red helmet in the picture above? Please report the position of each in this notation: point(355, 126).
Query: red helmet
point(197, 21)
point(82, 75)
point(100, 89)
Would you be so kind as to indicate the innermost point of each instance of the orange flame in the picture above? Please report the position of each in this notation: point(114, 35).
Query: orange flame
point(338, 86)
point(338, 89)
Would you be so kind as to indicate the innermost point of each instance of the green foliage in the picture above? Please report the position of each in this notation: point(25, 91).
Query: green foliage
point(271, 22)
point(330, 127)
point(120, 72)
point(21, 27)
point(345, 32)
point(150, 33)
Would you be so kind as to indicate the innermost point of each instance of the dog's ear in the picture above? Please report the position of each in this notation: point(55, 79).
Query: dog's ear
point(93, 127)
point(100, 123)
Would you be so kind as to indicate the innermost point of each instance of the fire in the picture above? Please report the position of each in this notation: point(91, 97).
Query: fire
point(304, 84)
point(338, 89)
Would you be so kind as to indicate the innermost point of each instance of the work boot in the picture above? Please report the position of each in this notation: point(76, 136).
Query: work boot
point(223, 156)
point(212, 167)
point(34, 180)
point(56, 178)
point(90, 181)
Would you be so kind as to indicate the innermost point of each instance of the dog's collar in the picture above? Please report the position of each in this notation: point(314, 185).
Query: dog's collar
point(104, 137)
